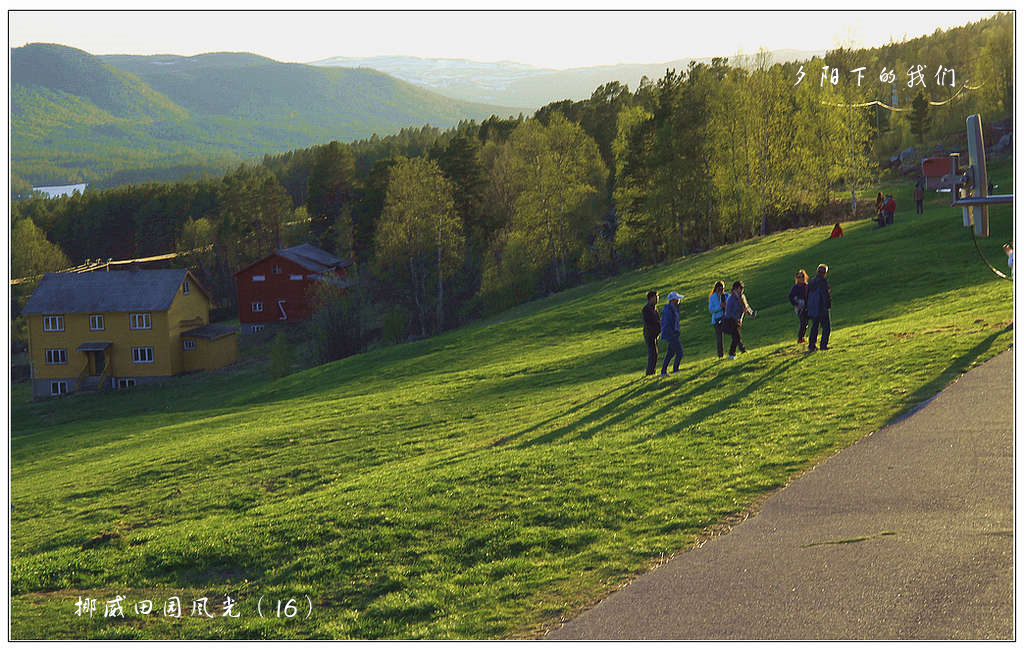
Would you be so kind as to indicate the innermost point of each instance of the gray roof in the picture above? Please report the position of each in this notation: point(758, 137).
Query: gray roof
point(94, 346)
point(312, 258)
point(210, 331)
point(151, 290)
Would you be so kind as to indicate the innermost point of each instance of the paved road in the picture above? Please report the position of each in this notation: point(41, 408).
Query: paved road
point(907, 534)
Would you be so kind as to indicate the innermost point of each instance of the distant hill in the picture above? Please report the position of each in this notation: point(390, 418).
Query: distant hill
point(76, 117)
point(516, 84)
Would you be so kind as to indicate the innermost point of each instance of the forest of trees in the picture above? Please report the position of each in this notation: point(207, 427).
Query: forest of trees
point(450, 225)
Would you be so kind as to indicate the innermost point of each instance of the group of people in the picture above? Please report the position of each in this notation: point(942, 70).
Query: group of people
point(885, 209)
point(812, 302)
point(811, 299)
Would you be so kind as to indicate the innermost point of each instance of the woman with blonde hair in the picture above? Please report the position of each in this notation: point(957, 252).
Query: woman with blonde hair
point(798, 297)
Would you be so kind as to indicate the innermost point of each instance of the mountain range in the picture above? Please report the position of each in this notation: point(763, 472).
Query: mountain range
point(112, 119)
point(515, 84)
point(78, 117)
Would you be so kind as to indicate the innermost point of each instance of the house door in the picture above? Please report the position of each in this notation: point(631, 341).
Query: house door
point(98, 362)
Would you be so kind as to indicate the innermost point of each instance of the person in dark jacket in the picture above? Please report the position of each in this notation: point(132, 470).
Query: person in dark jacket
point(716, 305)
point(798, 297)
point(735, 307)
point(652, 328)
point(819, 302)
point(670, 333)
point(919, 198)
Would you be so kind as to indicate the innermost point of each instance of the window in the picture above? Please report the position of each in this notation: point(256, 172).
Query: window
point(96, 322)
point(142, 354)
point(277, 268)
point(257, 306)
point(122, 382)
point(258, 279)
point(56, 356)
point(190, 344)
point(141, 321)
point(257, 328)
point(185, 287)
point(58, 388)
point(53, 323)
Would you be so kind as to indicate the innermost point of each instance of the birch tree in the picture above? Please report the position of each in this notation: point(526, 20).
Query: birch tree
point(420, 237)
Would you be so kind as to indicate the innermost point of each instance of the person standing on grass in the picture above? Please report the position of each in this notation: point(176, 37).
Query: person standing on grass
point(652, 328)
point(716, 305)
point(670, 333)
point(735, 307)
point(890, 209)
point(819, 302)
point(919, 198)
point(798, 297)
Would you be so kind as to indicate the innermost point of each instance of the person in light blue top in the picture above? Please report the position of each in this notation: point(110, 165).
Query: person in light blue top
point(670, 333)
point(716, 305)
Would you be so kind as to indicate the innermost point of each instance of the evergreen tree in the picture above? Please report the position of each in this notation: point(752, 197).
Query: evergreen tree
point(331, 185)
point(920, 119)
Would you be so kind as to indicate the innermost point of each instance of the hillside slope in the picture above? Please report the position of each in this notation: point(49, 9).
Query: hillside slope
point(78, 117)
point(489, 481)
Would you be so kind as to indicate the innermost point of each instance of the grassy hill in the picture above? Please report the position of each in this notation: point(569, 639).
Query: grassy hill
point(79, 117)
point(490, 481)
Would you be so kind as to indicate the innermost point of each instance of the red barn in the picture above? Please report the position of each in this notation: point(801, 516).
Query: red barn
point(274, 289)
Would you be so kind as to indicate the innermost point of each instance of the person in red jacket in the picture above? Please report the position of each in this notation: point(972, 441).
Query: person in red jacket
point(890, 208)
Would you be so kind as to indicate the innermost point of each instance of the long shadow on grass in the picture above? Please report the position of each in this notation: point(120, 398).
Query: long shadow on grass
point(609, 414)
point(728, 401)
point(960, 365)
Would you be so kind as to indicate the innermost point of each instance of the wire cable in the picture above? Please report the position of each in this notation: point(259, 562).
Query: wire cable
point(985, 260)
point(901, 110)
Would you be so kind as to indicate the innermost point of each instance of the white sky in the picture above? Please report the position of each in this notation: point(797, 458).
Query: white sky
point(553, 39)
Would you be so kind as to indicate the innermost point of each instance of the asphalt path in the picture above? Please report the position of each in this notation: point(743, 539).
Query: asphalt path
point(907, 534)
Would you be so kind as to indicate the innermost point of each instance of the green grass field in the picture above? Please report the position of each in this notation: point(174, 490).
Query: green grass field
point(488, 482)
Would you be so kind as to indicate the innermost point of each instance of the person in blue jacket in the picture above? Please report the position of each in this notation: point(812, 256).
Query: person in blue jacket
point(716, 305)
point(819, 304)
point(670, 333)
point(735, 307)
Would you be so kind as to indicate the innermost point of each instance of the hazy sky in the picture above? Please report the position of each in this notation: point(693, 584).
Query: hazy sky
point(554, 39)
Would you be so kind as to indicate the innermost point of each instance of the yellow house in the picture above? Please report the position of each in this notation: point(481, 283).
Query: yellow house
point(117, 329)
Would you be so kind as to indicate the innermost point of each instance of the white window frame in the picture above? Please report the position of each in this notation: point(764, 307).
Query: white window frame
point(257, 306)
point(53, 323)
point(58, 387)
point(97, 322)
point(257, 328)
point(122, 382)
point(142, 355)
point(140, 320)
point(56, 356)
point(185, 288)
point(258, 279)
point(276, 268)
point(295, 277)
point(189, 344)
